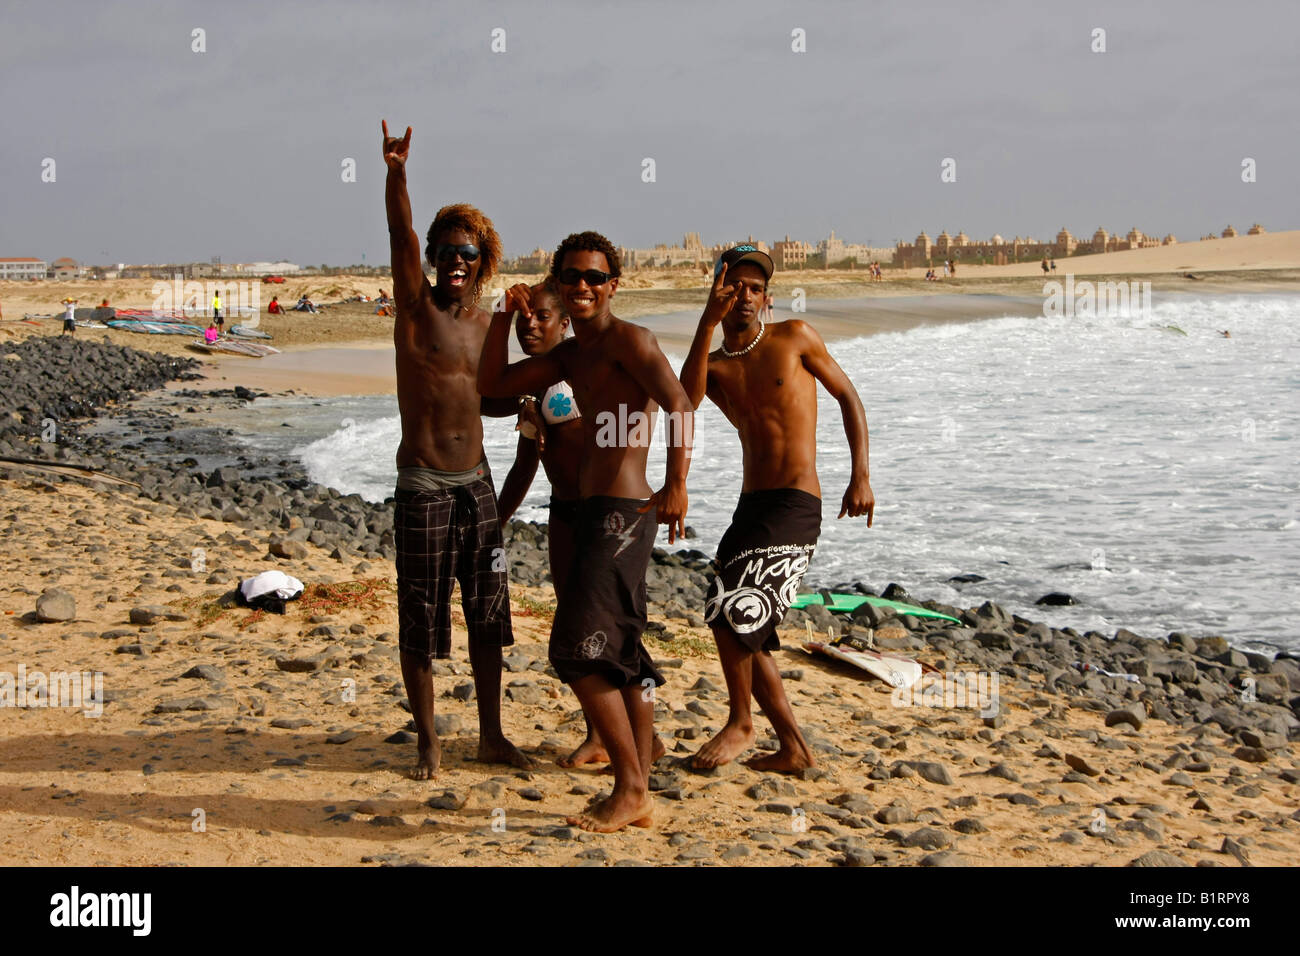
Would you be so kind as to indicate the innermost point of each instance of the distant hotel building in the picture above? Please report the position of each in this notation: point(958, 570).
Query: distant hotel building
point(22, 268)
point(998, 251)
point(833, 252)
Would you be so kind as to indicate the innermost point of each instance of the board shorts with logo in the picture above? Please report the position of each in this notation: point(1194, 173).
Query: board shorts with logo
point(445, 529)
point(601, 615)
point(761, 562)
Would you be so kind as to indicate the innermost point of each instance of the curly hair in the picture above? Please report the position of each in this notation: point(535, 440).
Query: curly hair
point(587, 242)
point(468, 219)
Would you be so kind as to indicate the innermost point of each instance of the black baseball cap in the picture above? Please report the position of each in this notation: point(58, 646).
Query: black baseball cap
point(745, 253)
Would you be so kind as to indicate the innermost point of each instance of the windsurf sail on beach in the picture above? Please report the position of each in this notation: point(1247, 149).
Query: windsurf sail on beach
point(251, 349)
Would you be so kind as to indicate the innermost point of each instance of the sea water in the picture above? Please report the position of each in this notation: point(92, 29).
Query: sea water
point(1144, 464)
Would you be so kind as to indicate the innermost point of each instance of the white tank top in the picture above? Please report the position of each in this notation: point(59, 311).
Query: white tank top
point(558, 404)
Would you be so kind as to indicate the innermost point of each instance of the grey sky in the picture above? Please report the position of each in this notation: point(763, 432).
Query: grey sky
point(164, 154)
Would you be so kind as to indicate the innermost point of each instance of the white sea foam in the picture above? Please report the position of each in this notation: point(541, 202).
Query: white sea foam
point(1150, 473)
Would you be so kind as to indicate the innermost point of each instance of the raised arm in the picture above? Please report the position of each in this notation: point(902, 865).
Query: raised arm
point(497, 378)
point(695, 370)
point(408, 274)
point(858, 499)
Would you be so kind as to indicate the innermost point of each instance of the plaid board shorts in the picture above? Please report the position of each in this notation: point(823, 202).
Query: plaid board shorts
point(442, 537)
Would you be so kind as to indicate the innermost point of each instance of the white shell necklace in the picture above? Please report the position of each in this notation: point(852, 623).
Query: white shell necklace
point(748, 348)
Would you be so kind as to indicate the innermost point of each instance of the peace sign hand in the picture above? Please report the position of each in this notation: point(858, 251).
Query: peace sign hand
point(721, 299)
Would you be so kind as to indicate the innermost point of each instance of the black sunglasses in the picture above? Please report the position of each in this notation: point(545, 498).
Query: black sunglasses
point(447, 252)
point(590, 276)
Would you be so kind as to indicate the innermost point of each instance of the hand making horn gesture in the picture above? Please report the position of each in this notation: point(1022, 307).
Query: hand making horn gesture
point(396, 150)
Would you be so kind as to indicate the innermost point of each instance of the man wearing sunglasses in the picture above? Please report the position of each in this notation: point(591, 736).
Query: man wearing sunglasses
point(764, 378)
point(445, 519)
point(619, 375)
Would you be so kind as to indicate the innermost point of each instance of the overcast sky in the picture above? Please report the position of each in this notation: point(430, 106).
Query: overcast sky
point(164, 154)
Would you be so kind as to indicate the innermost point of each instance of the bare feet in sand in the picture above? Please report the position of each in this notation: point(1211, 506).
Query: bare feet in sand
point(728, 744)
point(501, 750)
point(785, 760)
point(430, 756)
point(592, 750)
point(589, 751)
point(615, 813)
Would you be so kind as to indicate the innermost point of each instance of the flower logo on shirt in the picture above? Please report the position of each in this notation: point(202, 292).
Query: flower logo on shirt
point(560, 405)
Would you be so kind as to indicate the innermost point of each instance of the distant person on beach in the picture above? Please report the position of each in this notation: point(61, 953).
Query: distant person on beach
point(69, 317)
point(764, 379)
point(210, 334)
point(952, 265)
point(1045, 265)
point(305, 304)
point(947, 268)
point(445, 519)
point(383, 297)
point(274, 308)
point(619, 375)
point(216, 311)
point(1053, 265)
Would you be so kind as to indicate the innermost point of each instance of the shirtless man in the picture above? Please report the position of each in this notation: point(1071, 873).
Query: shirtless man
point(764, 378)
point(619, 378)
point(445, 523)
point(551, 431)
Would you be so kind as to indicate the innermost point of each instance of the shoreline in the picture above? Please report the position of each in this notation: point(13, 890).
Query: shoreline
point(1188, 770)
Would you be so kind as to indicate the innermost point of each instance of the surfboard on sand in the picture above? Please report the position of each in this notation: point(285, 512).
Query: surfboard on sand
point(844, 603)
point(894, 669)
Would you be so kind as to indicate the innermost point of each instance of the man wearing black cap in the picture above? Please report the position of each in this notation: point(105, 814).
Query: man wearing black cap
point(764, 378)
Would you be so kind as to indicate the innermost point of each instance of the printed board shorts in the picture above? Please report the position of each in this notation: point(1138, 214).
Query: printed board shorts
point(761, 562)
point(442, 537)
point(601, 615)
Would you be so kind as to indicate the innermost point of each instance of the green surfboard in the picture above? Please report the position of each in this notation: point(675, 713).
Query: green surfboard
point(850, 602)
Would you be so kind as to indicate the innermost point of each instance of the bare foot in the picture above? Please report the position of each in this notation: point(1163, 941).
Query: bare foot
point(590, 750)
point(503, 751)
point(785, 760)
point(728, 744)
point(615, 813)
point(430, 757)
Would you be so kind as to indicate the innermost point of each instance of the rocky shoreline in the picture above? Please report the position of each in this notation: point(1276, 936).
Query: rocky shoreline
point(1183, 754)
point(1182, 680)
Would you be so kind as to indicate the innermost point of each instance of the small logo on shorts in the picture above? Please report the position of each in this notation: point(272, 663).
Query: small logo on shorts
point(591, 647)
point(614, 522)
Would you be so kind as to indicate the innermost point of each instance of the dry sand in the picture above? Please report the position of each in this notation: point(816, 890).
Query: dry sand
point(347, 349)
point(123, 788)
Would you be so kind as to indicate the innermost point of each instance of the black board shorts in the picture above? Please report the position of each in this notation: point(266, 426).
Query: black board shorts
point(442, 537)
point(565, 511)
point(601, 615)
point(761, 562)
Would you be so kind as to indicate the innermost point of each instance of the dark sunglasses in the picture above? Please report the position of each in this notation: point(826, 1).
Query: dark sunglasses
point(590, 276)
point(446, 252)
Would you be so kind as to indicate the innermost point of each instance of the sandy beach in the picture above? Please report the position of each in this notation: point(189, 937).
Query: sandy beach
point(285, 735)
point(346, 349)
point(288, 736)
